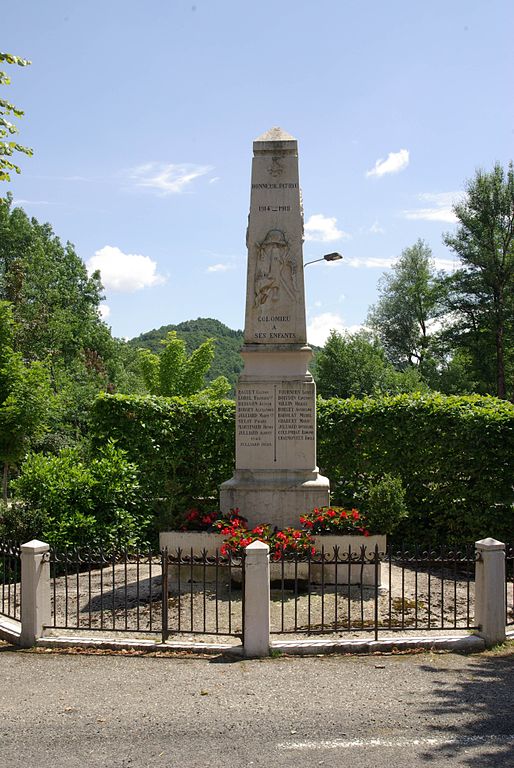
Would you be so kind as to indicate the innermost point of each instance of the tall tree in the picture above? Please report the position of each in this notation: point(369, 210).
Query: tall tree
point(408, 301)
point(24, 398)
point(8, 146)
point(482, 292)
point(54, 301)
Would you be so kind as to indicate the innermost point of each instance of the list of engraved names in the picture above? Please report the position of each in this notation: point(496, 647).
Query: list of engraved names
point(255, 417)
point(295, 413)
point(268, 415)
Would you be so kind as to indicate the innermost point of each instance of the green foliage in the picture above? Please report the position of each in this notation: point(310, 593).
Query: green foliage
point(408, 301)
point(174, 373)
point(355, 365)
point(184, 448)
point(481, 294)
point(24, 397)
point(448, 460)
point(454, 455)
point(383, 503)
point(8, 129)
point(20, 522)
point(226, 362)
point(75, 500)
point(55, 322)
point(54, 301)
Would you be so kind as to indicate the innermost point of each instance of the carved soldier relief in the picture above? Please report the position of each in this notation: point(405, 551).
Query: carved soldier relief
point(275, 270)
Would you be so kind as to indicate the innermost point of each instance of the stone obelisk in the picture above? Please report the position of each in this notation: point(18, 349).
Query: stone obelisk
point(276, 478)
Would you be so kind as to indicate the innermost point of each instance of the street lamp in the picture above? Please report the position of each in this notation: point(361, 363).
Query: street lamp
point(327, 257)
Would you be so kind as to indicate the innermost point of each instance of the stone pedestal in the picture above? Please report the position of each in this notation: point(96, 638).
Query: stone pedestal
point(276, 478)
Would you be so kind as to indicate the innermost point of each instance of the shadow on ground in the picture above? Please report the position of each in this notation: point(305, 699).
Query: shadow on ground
point(480, 698)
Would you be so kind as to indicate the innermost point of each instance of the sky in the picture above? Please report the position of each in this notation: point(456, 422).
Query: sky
point(142, 117)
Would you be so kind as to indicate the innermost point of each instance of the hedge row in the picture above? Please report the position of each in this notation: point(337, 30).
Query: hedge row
point(455, 455)
point(184, 447)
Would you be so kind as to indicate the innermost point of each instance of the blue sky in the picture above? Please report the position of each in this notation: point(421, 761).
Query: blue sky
point(142, 117)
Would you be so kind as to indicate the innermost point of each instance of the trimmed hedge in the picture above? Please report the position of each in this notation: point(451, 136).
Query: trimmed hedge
point(454, 455)
point(184, 447)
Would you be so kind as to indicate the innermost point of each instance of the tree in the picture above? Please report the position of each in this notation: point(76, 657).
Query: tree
point(24, 398)
point(54, 304)
point(173, 372)
point(54, 300)
point(227, 360)
point(8, 129)
point(355, 365)
point(408, 303)
point(482, 292)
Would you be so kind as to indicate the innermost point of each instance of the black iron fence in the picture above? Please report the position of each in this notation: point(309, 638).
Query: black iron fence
point(335, 591)
point(509, 586)
point(10, 575)
point(146, 592)
point(106, 591)
point(186, 593)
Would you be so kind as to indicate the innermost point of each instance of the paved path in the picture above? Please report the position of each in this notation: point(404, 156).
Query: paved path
point(128, 712)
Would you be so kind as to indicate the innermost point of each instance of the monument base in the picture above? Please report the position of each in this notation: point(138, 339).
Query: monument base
point(279, 498)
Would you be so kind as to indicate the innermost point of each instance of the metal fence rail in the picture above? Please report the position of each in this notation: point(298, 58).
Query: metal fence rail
point(205, 593)
point(10, 575)
point(146, 592)
point(509, 585)
point(106, 591)
point(423, 588)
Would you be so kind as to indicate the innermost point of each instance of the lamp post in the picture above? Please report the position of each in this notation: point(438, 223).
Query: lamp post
point(327, 257)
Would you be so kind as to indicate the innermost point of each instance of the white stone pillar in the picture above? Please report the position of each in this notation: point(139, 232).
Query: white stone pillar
point(35, 591)
point(490, 591)
point(256, 639)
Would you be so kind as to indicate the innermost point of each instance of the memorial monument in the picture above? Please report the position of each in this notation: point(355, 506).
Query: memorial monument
point(276, 478)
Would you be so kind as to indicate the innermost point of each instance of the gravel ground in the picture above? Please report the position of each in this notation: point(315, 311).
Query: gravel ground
point(129, 597)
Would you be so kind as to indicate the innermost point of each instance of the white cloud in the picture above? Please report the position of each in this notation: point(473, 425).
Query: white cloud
point(219, 267)
point(395, 162)
point(376, 229)
point(371, 262)
point(440, 210)
point(124, 272)
point(104, 311)
point(32, 202)
point(449, 265)
point(214, 180)
point(167, 178)
point(323, 229)
point(319, 327)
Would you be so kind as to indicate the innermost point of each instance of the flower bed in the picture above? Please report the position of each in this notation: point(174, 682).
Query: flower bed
point(326, 533)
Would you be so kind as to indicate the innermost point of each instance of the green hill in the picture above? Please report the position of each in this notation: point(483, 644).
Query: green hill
point(227, 360)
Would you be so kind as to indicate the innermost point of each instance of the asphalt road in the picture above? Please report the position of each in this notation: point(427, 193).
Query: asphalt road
point(130, 712)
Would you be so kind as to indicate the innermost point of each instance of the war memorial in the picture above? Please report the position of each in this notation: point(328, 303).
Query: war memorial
point(276, 478)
